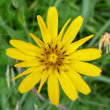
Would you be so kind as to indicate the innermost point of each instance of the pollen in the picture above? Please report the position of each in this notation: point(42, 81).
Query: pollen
point(53, 58)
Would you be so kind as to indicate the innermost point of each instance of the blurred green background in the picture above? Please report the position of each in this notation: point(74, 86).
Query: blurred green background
point(18, 18)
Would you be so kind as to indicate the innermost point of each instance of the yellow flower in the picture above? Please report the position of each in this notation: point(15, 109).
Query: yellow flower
point(56, 59)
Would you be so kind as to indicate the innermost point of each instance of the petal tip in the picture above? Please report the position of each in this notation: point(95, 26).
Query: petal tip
point(16, 65)
point(88, 92)
point(100, 71)
point(80, 17)
point(7, 51)
point(52, 8)
point(13, 79)
point(30, 33)
point(38, 17)
point(75, 98)
point(21, 89)
point(92, 35)
point(55, 103)
point(11, 41)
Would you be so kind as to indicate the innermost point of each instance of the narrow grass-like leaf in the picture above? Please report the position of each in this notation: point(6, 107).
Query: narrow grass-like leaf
point(87, 11)
point(101, 31)
point(102, 79)
point(9, 30)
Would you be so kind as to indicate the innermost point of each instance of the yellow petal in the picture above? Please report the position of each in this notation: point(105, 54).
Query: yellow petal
point(86, 54)
point(52, 22)
point(78, 82)
point(86, 68)
point(16, 54)
point(38, 41)
point(53, 89)
point(67, 85)
point(28, 63)
point(25, 47)
point(29, 82)
point(74, 46)
point(72, 31)
point(23, 73)
point(45, 34)
point(62, 30)
point(43, 79)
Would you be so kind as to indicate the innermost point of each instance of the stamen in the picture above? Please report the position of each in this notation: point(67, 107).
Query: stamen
point(63, 52)
point(49, 46)
point(56, 46)
point(46, 63)
point(44, 49)
point(59, 64)
point(62, 58)
point(53, 57)
point(52, 49)
point(42, 54)
point(41, 60)
point(43, 70)
point(66, 55)
point(48, 52)
point(62, 47)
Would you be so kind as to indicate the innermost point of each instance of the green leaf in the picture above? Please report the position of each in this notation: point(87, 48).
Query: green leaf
point(87, 11)
point(15, 3)
point(98, 35)
point(29, 103)
point(101, 78)
point(3, 100)
point(9, 30)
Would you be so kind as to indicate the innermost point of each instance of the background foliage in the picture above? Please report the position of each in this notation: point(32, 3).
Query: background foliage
point(18, 18)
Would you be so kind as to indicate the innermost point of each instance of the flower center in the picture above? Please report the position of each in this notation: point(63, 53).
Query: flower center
point(53, 58)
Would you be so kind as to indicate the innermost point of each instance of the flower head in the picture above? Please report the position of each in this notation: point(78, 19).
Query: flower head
point(56, 60)
point(105, 41)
